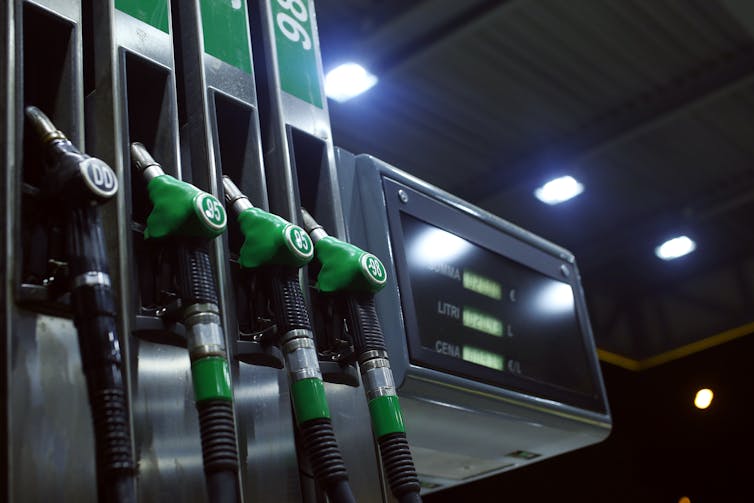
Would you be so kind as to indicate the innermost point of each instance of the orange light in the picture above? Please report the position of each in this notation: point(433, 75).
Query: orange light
point(703, 398)
point(684, 499)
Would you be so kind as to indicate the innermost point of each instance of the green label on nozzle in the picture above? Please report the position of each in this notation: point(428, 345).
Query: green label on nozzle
point(180, 209)
point(152, 12)
point(309, 400)
point(386, 415)
point(211, 379)
point(348, 268)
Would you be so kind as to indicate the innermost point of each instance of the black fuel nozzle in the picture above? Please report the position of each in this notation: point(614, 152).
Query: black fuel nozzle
point(80, 182)
point(72, 177)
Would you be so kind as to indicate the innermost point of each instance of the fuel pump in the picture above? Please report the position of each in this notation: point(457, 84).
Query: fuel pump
point(191, 218)
point(278, 249)
point(79, 184)
point(355, 276)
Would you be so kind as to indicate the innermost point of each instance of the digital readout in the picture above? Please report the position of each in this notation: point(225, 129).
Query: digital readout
point(482, 285)
point(482, 322)
point(482, 357)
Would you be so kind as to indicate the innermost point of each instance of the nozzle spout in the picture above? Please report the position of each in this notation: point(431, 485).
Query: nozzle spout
point(311, 226)
point(43, 125)
point(234, 197)
point(144, 162)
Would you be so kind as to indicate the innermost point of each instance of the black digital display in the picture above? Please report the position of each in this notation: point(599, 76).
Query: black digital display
point(500, 321)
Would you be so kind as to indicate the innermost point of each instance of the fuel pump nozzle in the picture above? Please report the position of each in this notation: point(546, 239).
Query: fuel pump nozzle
point(278, 248)
point(355, 276)
point(79, 183)
point(190, 218)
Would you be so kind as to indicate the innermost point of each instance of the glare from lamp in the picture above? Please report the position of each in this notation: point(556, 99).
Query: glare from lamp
point(703, 398)
point(559, 190)
point(675, 248)
point(348, 80)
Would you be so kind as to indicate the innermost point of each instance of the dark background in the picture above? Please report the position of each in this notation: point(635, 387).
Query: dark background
point(661, 447)
point(650, 104)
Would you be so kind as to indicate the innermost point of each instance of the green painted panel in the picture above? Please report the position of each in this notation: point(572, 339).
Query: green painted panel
point(153, 12)
point(297, 58)
point(226, 32)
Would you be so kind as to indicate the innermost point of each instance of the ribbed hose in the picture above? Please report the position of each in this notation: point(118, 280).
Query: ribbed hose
point(326, 460)
point(396, 456)
point(287, 300)
point(318, 437)
point(196, 284)
point(365, 326)
point(218, 436)
point(399, 467)
point(195, 278)
point(94, 317)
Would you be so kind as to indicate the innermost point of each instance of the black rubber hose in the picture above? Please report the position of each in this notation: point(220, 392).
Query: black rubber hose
point(319, 441)
point(287, 300)
point(94, 317)
point(196, 285)
point(219, 452)
point(394, 451)
point(399, 467)
point(196, 281)
point(326, 460)
point(364, 324)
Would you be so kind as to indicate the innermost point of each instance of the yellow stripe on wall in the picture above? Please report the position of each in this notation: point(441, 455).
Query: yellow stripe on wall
point(675, 354)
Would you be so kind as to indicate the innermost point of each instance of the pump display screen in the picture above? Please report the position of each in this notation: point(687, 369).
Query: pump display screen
point(499, 320)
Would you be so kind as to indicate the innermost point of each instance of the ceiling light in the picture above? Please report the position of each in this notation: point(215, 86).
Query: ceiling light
point(559, 190)
point(676, 247)
point(703, 398)
point(348, 80)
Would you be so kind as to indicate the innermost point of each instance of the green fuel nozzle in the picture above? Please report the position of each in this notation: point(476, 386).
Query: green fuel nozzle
point(277, 249)
point(268, 239)
point(180, 209)
point(345, 267)
point(355, 276)
point(190, 218)
point(72, 177)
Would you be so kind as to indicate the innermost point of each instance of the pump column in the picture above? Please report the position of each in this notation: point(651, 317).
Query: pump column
point(221, 134)
point(134, 98)
point(300, 170)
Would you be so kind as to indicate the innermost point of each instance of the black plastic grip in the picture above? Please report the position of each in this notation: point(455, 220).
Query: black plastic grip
point(399, 467)
point(326, 460)
point(364, 324)
point(219, 451)
point(288, 302)
point(196, 282)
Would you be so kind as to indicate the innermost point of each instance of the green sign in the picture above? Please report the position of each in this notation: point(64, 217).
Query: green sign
point(297, 59)
point(152, 12)
point(226, 32)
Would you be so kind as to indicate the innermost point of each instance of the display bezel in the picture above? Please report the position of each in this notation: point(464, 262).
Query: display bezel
point(399, 199)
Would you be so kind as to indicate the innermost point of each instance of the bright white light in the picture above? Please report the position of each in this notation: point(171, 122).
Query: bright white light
point(348, 80)
point(559, 190)
point(703, 398)
point(676, 247)
point(435, 246)
point(555, 298)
